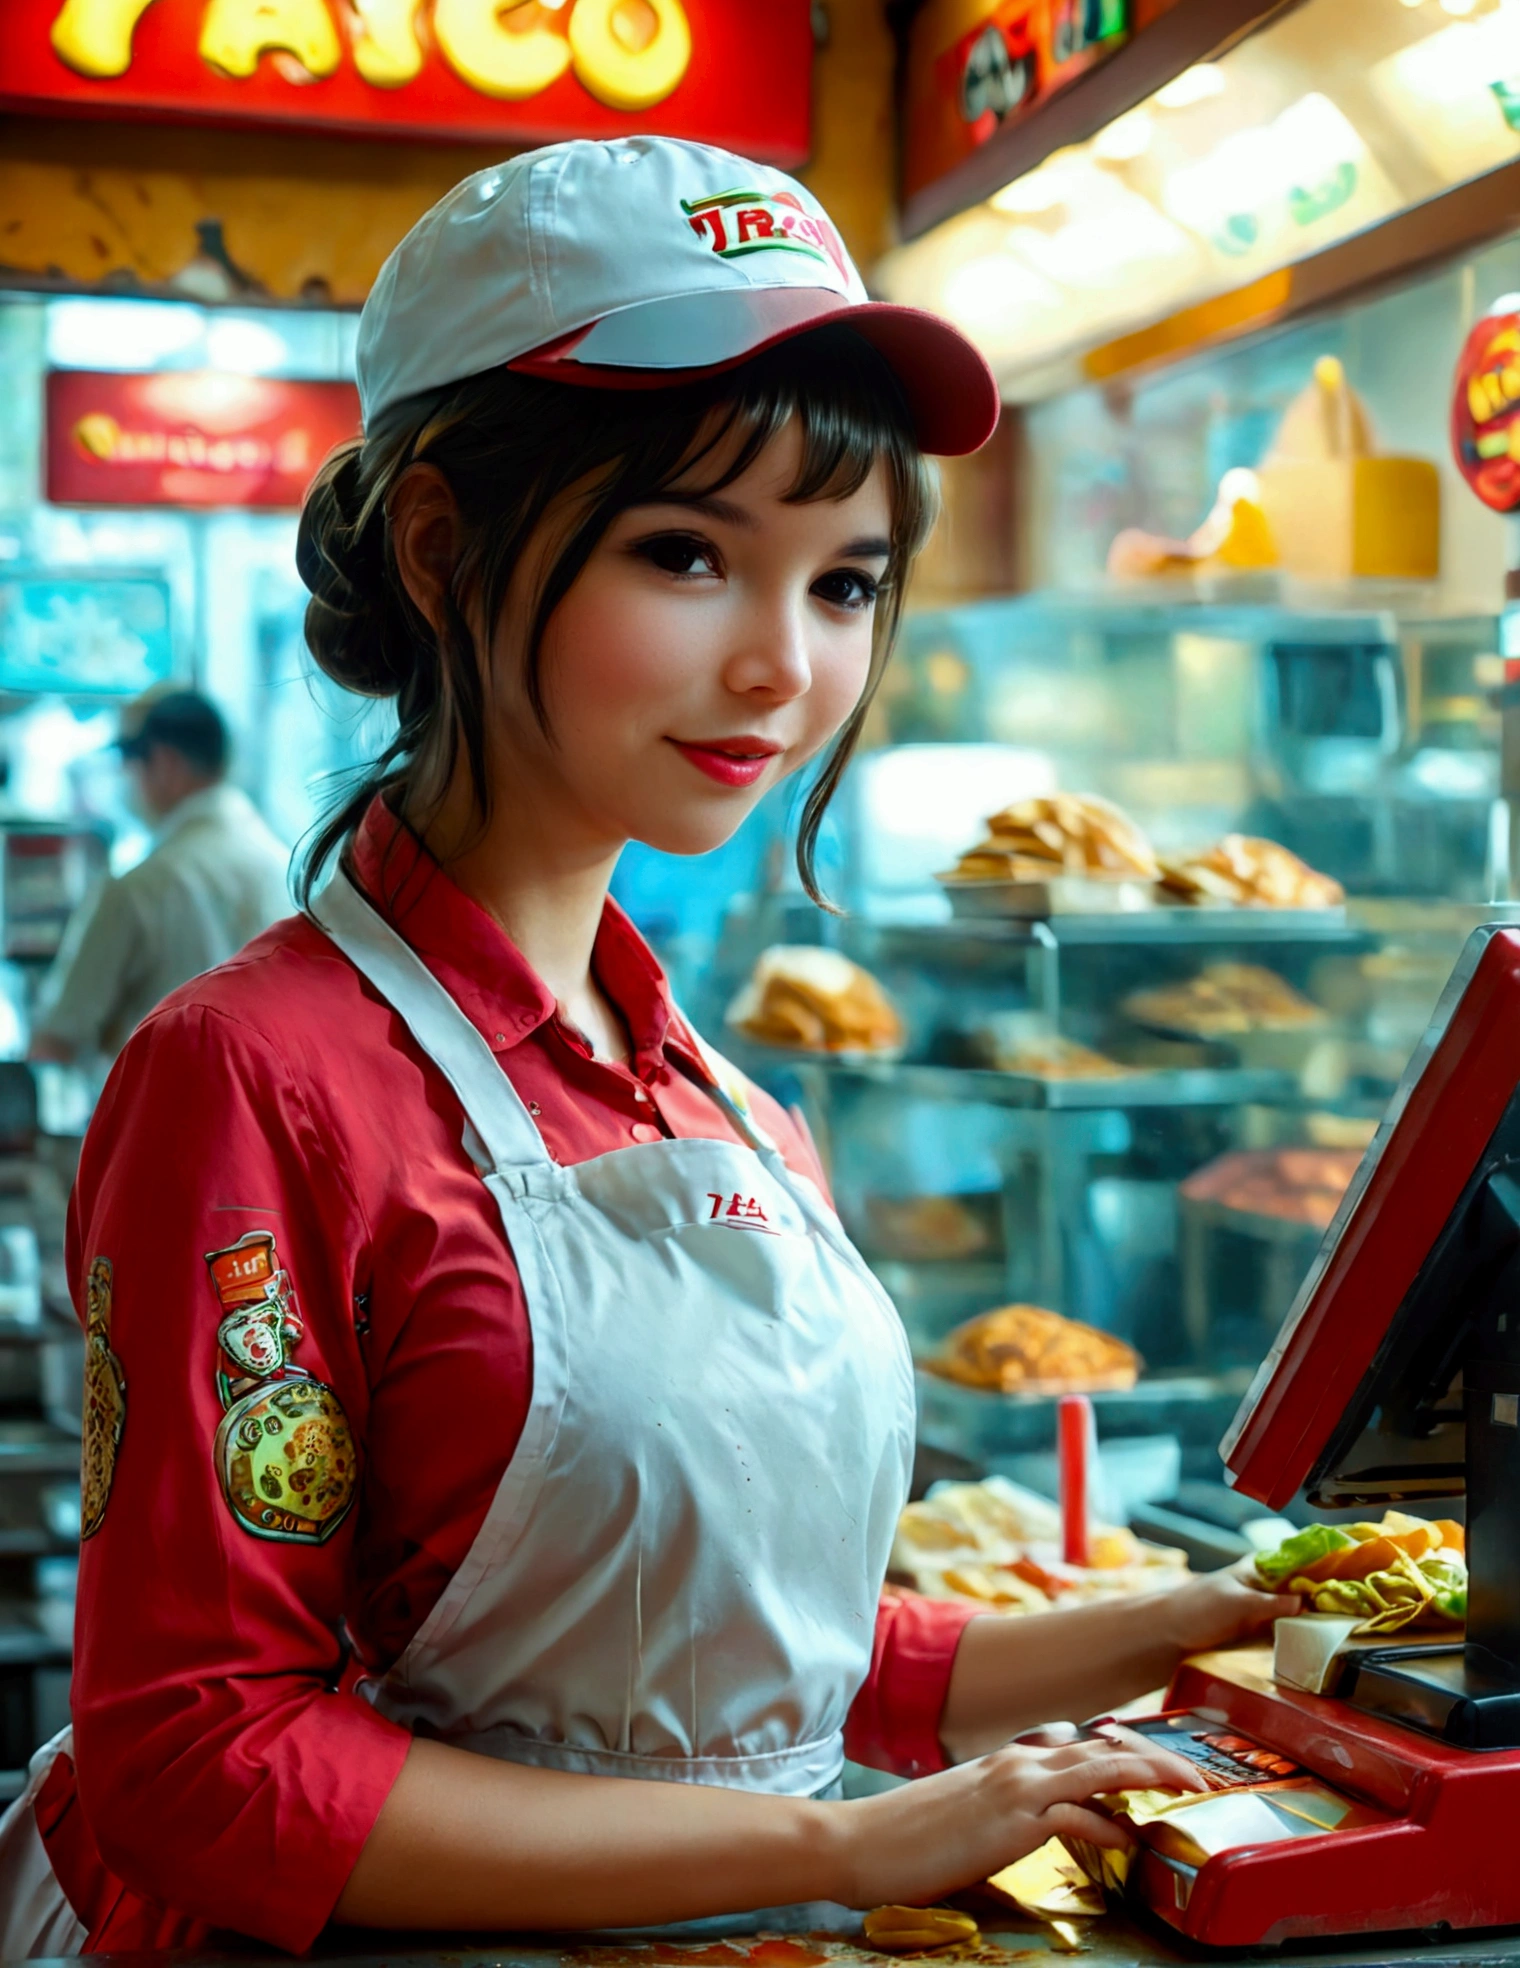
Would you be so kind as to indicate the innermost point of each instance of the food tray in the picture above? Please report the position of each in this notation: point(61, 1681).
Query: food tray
point(1060, 895)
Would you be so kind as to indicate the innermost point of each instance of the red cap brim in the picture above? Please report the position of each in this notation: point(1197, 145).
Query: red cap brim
point(952, 394)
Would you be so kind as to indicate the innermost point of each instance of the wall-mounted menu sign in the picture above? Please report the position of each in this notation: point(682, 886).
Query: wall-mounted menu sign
point(975, 65)
point(189, 437)
point(733, 72)
point(83, 633)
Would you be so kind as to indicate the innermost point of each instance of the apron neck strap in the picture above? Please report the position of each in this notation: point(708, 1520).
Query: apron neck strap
point(726, 1089)
point(488, 1097)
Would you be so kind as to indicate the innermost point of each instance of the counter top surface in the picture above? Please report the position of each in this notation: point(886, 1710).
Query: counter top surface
point(1115, 1942)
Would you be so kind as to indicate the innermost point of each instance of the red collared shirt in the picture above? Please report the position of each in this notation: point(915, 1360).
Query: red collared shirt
point(225, 1767)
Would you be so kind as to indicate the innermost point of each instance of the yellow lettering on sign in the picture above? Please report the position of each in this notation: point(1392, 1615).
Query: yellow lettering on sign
point(612, 65)
point(387, 52)
point(95, 36)
point(235, 33)
point(484, 51)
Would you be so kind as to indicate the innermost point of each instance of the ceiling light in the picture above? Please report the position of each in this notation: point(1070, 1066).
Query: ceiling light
point(1125, 139)
point(246, 347)
point(988, 295)
point(111, 334)
point(1193, 85)
point(1461, 8)
point(1036, 191)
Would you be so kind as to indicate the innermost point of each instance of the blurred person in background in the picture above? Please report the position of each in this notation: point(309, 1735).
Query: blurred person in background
point(215, 878)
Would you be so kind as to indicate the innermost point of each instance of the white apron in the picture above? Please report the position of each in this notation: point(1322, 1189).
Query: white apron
point(678, 1576)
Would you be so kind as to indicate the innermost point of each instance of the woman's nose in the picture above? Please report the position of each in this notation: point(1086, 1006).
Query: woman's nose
point(771, 653)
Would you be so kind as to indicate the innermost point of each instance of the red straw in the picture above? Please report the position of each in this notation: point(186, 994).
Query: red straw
point(1074, 1424)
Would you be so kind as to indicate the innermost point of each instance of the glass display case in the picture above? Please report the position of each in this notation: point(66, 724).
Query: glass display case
point(1142, 1119)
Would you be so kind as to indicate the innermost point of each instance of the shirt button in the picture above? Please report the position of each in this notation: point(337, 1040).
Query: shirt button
point(645, 1131)
point(639, 1094)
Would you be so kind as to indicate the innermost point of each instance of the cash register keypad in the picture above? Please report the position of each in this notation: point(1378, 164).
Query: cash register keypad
point(1224, 1757)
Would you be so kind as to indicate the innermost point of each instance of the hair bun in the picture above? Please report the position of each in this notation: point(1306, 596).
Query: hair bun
point(352, 625)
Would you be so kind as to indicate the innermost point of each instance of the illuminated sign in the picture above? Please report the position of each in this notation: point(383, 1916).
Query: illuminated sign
point(1485, 411)
point(724, 71)
point(975, 65)
point(190, 437)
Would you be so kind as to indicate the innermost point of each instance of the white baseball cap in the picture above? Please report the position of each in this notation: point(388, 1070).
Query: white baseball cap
point(636, 263)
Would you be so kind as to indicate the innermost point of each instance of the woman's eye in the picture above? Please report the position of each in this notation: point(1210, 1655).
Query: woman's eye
point(679, 554)
point(847, 588)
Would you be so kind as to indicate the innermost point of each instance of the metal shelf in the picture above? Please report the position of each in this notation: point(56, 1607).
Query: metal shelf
point(984, 1427)
point(1190, 1087)
point(1182, 928)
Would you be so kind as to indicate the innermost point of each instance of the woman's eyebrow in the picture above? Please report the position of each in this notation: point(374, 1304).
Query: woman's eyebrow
point(873, 547)
point(707, 503)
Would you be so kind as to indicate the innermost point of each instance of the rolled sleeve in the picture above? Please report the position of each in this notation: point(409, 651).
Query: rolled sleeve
point(894, 1723)
point(223, 1770)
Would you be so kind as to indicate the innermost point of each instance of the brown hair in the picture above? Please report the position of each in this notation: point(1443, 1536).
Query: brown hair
point(510, 446)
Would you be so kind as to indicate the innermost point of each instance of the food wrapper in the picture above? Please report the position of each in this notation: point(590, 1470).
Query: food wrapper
point(1305, 1650)
point(919, 1930)
point(1049, 1884)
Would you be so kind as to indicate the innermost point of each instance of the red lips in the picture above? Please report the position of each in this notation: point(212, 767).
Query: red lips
point(731, 761)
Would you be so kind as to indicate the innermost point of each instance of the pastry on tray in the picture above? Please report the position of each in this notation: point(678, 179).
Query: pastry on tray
point(1248, 873)
point(1296, 1185)
point(815, 1000)
point(925, 1227)
point(1225, 998)
point(1012, 1043)
point(1062, 834)
point(1023, 1349)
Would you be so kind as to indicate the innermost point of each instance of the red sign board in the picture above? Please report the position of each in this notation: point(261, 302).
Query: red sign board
point(732, 72)
point(190, 437)
point(1485, 411)
point(975, 65)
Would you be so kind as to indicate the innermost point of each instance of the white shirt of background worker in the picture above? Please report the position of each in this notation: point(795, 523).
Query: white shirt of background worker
point(215, 878)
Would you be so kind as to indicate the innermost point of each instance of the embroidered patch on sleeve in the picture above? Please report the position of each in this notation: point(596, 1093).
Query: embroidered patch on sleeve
point(105, 1402)
point(284, 1452)
point(285, 1459)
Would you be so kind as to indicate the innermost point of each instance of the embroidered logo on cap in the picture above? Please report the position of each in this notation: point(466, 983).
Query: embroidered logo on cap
point(736, 222)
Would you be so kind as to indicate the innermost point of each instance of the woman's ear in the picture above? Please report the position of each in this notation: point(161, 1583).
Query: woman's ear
point(425, 529)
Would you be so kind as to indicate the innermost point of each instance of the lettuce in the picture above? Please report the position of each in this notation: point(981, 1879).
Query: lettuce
point(1448, 1577)
point(1304, 1548)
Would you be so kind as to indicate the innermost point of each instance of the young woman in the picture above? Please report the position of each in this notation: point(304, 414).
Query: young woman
point(493, 1444)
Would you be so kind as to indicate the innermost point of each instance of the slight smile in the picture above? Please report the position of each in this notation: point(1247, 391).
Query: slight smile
point(731, 761)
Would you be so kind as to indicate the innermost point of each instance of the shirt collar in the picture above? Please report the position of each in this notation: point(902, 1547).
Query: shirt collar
point(210, 803)
point(480, 966)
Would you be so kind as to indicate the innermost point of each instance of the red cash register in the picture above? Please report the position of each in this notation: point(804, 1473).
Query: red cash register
point(1396, 1377)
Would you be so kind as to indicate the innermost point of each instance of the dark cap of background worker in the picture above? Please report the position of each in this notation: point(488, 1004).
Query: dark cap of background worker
point(184, 720)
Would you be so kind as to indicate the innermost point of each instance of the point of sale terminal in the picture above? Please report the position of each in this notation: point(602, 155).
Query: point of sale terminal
point(1389, 1802)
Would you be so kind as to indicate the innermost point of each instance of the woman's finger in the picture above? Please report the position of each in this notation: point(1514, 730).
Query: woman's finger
point(1072, 1821)
point(1174, 1772)
point(1101, 1774)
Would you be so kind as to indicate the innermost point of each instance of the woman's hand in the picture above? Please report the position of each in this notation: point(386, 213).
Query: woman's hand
point(1218, 1608)
point(933, 1837)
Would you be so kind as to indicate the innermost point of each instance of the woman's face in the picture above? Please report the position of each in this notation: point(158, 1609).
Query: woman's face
point(711, 646)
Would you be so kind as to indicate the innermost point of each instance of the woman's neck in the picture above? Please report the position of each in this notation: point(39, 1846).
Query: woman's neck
point(545, 889)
